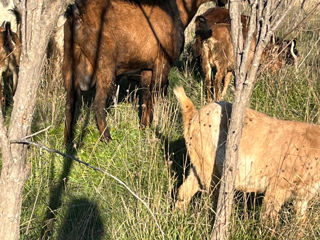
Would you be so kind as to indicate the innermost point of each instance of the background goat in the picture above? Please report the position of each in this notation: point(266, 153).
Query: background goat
point(209, 18)
point(213, 43)
point(10, 50)
point(280, 158)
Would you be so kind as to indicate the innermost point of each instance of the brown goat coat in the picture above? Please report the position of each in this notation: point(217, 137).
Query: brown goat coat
point(280, 158)
point(9, 60)
point(119, 36)
point(214, 16)
point(218, 51)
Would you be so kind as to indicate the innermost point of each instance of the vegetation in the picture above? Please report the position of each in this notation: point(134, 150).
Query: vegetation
point(66, 200)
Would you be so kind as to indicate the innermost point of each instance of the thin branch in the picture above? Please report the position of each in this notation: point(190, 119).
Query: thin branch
point(22, 141)
point(36, 133)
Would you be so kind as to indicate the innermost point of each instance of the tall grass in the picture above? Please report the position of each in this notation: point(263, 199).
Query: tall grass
point(66, 200)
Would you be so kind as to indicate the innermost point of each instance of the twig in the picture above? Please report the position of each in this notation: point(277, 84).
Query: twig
point(23, 141)
point(36, 133)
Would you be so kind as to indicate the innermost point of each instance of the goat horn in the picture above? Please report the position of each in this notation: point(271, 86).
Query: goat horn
point(294, 55)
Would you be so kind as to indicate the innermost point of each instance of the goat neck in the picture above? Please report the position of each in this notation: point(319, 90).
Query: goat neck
point(187, 9)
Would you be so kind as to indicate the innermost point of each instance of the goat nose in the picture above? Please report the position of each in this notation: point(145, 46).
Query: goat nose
point(85, 83)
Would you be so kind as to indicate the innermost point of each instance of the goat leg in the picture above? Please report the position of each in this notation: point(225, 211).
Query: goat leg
point(105, 79)
point(217, 84)
point(147, 106)
point(272, 202)
point(186, 191)
point(227, 80)
point(69, 112)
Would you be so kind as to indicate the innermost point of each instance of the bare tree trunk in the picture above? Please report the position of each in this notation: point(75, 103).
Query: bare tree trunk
point(245, 80)
point(38, 20)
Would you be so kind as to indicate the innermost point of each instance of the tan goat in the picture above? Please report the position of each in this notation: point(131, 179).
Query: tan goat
point(280, 158)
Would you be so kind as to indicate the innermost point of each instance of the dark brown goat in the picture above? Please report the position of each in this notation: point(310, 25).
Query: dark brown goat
point(10, 50)
point(104, 39)
point(216, 49)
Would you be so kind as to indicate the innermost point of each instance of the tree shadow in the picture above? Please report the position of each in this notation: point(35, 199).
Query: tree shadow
point(82, 221)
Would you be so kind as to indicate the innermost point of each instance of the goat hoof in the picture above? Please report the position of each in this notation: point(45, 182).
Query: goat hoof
point(106, 137)
point(143, 126)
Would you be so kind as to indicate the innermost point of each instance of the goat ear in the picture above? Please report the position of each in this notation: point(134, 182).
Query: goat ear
point(8, 31)
point(76, 15)
point(293, 49)
point(8, 37)
point(16, 39)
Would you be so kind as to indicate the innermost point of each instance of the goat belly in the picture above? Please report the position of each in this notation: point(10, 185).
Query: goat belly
point(249, 179)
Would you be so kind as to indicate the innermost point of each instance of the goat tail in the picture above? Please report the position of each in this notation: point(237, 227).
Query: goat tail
point(188, 108)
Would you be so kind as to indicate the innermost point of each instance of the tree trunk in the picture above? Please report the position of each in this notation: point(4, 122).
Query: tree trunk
point(226, 193)
point(245, 79)
point(38, 20)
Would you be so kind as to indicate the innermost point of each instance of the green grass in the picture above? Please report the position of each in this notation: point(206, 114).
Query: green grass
point(66, 200)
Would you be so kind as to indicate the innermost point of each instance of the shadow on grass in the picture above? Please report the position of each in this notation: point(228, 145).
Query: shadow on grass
point(248, 205)
point(57, 188)
point(82, 221)
point(55, 194)
point(179, 162)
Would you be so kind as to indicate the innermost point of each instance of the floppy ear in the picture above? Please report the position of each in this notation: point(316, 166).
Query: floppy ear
point(204, 34)
point(76, 16)
point(8, 42)
point(8, 30)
